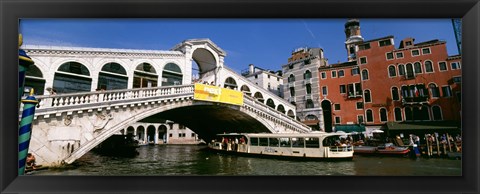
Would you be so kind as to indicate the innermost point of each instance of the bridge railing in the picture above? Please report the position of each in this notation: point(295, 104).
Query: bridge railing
point(275, 113)
point(105, 97)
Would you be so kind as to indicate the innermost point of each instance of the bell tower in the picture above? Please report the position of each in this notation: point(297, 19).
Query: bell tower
point(354, 37)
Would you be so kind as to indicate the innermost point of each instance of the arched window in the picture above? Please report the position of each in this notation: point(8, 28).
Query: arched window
point(291, 78)
point(230, 83)
point(281, 109)
point(309, 104)
point(428, 67)
point(434, 90)
point(437, 113)
point(308, 87)
point(112, 76)
point(246, 90)
point(171, 75)
point(405, 92)
point(34, 79)
point(398, 114)
point(364, 74)
point(383, 115)
point(291, 114)
point(145, 75)
point(292, 91)
point(258, 96)
point(418, 67)
point(72, 77)
point(395, 95)
point(367, 96)
point(270, 103)
point(401, 69)
point(307, 75)
point(392, 72)
point(410, 72)
point(369, 115)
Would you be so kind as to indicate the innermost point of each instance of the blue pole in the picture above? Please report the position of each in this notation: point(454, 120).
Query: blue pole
point(25, 130)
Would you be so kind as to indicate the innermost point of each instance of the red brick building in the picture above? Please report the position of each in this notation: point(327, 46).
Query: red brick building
point(383, 86)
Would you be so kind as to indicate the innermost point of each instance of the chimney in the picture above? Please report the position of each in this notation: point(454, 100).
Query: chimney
point(250, 69)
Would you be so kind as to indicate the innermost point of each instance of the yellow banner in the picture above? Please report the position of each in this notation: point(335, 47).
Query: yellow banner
point(217, 94)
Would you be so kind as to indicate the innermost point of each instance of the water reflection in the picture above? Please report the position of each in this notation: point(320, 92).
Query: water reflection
point(196, 160)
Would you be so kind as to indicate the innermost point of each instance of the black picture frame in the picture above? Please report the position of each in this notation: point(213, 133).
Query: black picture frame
point(12, 11)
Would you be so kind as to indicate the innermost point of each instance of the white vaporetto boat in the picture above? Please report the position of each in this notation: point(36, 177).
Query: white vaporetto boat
point(318, 145)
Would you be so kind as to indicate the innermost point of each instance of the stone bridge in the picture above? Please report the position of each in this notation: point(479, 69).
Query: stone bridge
point(66, 126)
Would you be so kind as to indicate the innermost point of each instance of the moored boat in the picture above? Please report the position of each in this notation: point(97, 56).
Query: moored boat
point(386, 149)
point(319, 145)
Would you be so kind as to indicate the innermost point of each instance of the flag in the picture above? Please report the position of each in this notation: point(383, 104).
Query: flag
point(416, 92)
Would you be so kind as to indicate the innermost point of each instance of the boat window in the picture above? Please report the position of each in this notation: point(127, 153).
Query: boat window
point(273, 142)
point(254, 141)
point(312, 142)
point(285, 142)
point(298, 142)
point(330, 141)
point(263, 141)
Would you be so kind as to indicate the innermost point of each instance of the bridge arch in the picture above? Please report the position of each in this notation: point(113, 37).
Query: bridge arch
point(259, 96)
point(270, 103)
point(261, 122)
point(246, 90)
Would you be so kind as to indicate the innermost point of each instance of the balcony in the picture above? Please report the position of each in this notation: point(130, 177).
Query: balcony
point(308, 97)
point(291, 84)
point(414, 100)
point(307, 81)
point(291, 99)
point(357, 94)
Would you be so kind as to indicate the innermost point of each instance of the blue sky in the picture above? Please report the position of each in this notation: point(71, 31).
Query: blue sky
point(267, 43)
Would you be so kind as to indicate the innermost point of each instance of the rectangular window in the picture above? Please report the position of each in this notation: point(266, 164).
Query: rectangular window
point(298, 142)
point(324, 90)
point(341, 73)
point(447, 92)
point(170, 135)
point(455, 65)
point(360, 118)
point(312, 142)
point(263, 141)
point(364, 46)
point(355, 71)
point(359, 105)
point(193, 135)
point(337, 106)
point(415, 52)
point(457, 80)
point(343, 89)
point(442, 66)
point(334, 73)
point(385, 42)
point(408, 43)
point(324, 75)
point(389, 56)
point(426, 51)
point(363, 60)
point(459, 96)
point(254, 141)
point(337, 120)
point(399, 55)
point(273, 142)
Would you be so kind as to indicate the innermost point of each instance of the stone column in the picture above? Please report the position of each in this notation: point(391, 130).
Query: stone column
point(155, 139)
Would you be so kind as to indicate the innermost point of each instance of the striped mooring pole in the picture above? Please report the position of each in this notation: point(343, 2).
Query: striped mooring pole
point(25, 130)
point(24, 61)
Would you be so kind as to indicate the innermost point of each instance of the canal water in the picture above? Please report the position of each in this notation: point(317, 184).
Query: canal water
point(197, 160)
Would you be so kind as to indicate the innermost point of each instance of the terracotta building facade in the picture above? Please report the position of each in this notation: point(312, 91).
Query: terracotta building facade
point(383, 86)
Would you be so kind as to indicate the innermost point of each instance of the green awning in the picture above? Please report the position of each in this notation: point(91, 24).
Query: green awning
point(423, 127)
point(350, 128)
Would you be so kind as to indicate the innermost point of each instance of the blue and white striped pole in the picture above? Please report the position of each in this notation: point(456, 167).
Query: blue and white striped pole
point(24, 61)
point(25, 130)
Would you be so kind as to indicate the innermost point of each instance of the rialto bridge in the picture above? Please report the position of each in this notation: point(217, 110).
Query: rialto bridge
point(100, 92)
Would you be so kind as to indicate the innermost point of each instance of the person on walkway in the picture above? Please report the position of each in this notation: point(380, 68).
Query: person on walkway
point(30, 161)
